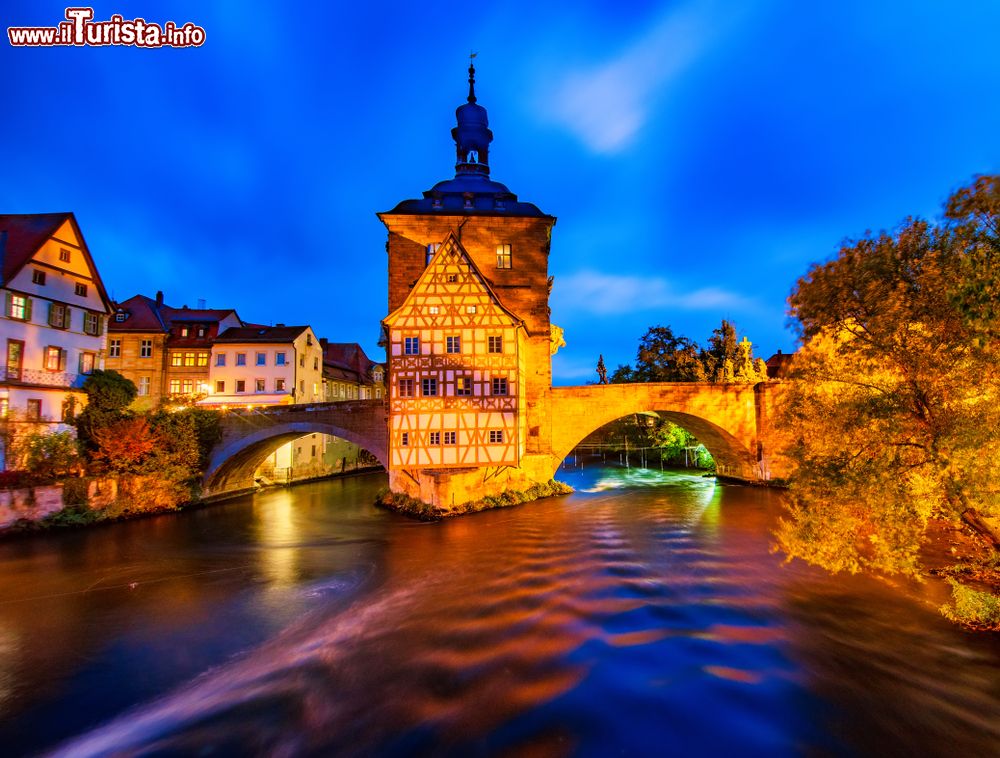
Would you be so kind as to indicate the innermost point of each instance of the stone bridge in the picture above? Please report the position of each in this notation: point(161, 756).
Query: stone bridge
point(250, 436)
point(732, 420)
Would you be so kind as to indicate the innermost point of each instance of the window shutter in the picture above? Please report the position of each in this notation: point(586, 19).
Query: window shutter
point(66, 316)
point(52, 314)
point(27, 309)
point(62, 359)
point(8, 306)
point(100, 325)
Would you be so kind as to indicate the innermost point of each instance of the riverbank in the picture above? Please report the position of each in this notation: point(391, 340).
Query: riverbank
point(409, 506)
point(86, 501)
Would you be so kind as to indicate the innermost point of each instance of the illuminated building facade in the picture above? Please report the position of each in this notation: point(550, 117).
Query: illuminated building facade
point(265, 365)
point(164, 350)
point(54, 318)
point(468, 336)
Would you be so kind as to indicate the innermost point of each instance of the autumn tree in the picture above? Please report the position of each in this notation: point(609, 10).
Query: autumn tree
point(892, 408)
point(125, 444)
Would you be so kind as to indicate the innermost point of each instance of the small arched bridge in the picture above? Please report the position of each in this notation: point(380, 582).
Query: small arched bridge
point(732, 420)
point(250, 436)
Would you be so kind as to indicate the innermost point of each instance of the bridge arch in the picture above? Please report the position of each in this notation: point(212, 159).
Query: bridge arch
point(722, 417)
point(233, 462)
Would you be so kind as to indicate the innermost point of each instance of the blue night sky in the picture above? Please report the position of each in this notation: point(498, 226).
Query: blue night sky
point(698, 155)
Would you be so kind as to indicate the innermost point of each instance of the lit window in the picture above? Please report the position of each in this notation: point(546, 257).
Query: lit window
point(146, 349)
point(220, 386)
point(279, 385)
point(220, 359)
point(433, 310)
point(496, 436)
point(64, 255)
point(279, 359)
point(404, 439)
point(189, 359)
point(184, 331)
point(470, 309)
point(411, 346)
point(18, 306)
point(187, 386)
point(91, 324)
point(259, 385)
point(241, 385)
point(175, 386)
point(261, 359)
point(176, 359)
point(494, 344)
point(4, 407)
point(503, 256)
point(241, 359)
point(406, 388)
point(499, 385)
point(34, 409)
point(453, 344)
point(429, 387)
point(431, 249)
point(449, 438)
point(463, 385)
point(201, 331)
point(115, 348)
point(435, 438)
point(144, 385)
point(203, 359)
point(80, 289)
point(86, 363)
point(58, 316)
point(38, 276)
point(53, 358)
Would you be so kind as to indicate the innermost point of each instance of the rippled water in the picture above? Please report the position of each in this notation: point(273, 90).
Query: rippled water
point(643, 614)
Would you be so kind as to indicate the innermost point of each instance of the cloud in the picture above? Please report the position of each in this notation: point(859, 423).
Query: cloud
point(606, 106)
point(606, 294)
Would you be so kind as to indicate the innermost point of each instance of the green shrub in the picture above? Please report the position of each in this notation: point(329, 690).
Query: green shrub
point(972, 607)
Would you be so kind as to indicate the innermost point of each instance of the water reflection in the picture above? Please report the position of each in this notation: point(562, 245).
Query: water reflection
point(624, 618)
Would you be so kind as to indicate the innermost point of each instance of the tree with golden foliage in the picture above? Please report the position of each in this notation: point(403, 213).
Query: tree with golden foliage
point(892, 405)
point(125, 444)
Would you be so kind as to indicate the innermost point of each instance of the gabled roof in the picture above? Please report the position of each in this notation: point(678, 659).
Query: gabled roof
point(432, 270)
point(199, 315)
point(144, 316)
point(148, 315)
point(23, 234)
point(262, 334)
point(345, 359)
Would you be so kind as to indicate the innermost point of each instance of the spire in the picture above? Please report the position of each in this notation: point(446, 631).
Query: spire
point(472, 78)
point(472, 135)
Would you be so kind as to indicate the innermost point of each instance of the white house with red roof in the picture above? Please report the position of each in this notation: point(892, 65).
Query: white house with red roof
point(53, 324)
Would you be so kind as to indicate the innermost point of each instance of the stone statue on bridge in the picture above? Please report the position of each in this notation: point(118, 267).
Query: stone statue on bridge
point(602, 371)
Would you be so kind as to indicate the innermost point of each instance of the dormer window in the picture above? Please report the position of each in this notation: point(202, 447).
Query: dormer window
point(472, 157)
point(184, 331)
point(120, 316)
point(468, 196)
point(201, 331)
point(436, 200)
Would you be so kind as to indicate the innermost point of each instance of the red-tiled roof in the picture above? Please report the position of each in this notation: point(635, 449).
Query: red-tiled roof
point(350, 357)
point(22, 234)
point(25, 233)
point(146, 315)
point(143, 316)
point(261, 334)
point(777, 364)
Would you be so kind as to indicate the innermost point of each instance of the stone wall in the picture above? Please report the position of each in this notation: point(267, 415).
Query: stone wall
point(36, 503)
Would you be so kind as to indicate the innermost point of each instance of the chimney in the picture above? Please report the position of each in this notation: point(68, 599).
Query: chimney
point(159, 297)
point(201, 303)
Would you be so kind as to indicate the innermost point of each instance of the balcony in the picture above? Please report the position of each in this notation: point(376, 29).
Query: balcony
point(38, 378)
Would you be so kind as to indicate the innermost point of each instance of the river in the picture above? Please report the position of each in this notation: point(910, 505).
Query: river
point(644, 614)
